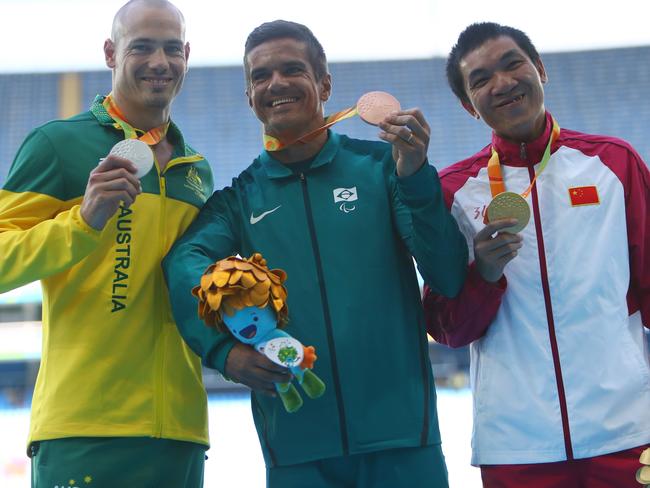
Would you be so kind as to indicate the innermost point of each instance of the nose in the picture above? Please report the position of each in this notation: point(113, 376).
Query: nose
point(277, 82)
point(158, 60)
point(503, 83)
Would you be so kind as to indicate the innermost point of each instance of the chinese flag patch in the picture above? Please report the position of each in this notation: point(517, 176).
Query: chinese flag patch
point(583, 195)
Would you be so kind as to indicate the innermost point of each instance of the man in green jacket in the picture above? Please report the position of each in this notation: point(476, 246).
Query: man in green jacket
point(119, 399)
point(343, 218)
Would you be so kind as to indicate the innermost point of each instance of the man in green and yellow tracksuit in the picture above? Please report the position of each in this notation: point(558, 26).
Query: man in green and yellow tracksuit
point(119, 399)
point(344, 218)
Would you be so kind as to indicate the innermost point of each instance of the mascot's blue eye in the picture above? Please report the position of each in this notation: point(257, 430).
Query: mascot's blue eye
point(256, 318)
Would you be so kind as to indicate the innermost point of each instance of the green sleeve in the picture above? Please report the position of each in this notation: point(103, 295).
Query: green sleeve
point(41, 233)
point(429, 231)
point(209, 238)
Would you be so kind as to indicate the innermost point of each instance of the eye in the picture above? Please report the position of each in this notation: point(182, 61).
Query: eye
point(514, 64)
point(140, 48)
point(478, 83)
point(175, 50)
point(293, 70)
point(258, 77)
point(255, 318)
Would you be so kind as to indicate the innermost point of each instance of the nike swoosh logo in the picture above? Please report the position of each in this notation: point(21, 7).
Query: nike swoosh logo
point(255, 220)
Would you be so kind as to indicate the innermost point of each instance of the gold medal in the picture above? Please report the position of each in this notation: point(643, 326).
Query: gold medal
point(509, 205)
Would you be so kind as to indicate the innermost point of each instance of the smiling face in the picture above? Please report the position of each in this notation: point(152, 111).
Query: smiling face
point(251, 324)
point(505, 88)
point(148, 56)
point(283, 90)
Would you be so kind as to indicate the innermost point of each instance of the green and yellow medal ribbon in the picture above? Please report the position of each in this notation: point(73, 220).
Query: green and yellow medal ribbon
point(274, 144)
point(150, 137)
point(495, 176)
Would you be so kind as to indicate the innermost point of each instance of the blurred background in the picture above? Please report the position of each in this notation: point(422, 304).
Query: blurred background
point(597, 56)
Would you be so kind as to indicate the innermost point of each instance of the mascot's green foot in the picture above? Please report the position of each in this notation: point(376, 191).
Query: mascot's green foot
point(290, 397)
point(312, 384)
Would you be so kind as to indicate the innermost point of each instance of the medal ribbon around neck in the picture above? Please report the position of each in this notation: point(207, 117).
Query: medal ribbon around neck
point(274, 144)
point(372, 107)
point(495, 176)
point(507, 204)
point(151, 137)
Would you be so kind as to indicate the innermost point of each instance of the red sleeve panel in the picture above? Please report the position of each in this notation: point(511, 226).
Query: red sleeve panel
point(458, 321)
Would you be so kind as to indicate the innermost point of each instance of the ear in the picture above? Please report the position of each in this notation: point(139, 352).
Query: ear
point(326, 91)
point(109, 53)
point(541, 70)
point(187, 55)
point(470, 109)
point(248, 97)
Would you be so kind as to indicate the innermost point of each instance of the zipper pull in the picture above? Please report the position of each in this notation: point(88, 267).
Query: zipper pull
point(522, 151)
point(302, 176)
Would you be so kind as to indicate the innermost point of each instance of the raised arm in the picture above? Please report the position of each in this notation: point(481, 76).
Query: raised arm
point(424, 223)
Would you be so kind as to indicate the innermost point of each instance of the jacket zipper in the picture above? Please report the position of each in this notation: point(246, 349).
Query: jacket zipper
point(159, 401)
point(550, 320)
point(326, 316)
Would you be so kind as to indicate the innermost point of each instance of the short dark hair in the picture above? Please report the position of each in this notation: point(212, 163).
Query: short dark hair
point(283, 29)
point(473, 37)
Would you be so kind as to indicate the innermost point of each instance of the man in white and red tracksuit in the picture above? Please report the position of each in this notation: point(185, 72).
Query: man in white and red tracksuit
point(554, 315)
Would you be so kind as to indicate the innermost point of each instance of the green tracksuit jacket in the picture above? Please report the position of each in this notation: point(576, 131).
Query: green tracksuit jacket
point(345, 232)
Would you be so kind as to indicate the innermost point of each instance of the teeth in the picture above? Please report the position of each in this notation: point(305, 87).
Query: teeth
point(281, 101)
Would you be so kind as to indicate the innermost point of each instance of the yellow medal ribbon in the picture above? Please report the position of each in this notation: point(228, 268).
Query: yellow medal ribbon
point(151, 137)
point(495, 176)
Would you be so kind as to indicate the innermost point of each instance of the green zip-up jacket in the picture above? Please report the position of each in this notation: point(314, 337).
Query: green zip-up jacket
point(113, 363)
point(345, 232)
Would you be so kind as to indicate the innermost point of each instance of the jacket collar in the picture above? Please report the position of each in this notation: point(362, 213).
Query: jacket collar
point(525, 153)
point(275, 169)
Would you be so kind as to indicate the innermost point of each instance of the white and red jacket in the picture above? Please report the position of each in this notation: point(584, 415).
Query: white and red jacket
point(560, 367)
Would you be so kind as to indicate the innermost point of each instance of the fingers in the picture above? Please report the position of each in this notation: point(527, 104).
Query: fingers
point(115, 177)
point(109, 186)
point(112, 162)
point(111, 183)
point(493, 227)
point(496, 247)
point(502, 252)
point(408, 132)
point(249, 367)
point(407, 127)
point(492, 252)
point(114, 168)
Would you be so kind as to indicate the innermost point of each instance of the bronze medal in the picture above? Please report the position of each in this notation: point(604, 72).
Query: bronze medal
point(373, 107)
